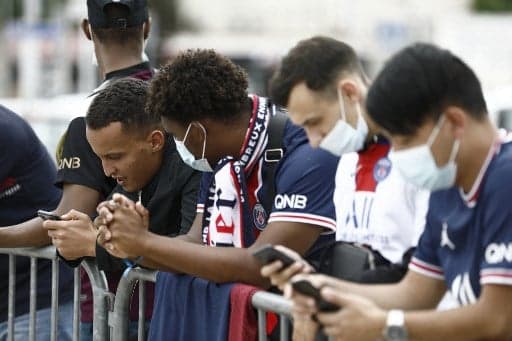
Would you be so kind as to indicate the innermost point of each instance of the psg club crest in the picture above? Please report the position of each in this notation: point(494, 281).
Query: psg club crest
point(259, 216)
point(381, 169)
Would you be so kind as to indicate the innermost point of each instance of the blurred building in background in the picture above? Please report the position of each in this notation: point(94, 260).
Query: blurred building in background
point(44, 54)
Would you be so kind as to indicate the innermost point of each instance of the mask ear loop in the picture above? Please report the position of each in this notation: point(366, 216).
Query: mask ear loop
point(186, 133)
point(359, 114)
point(204, 142)
point(435, 132)
point(455, 150)
point(342, 106)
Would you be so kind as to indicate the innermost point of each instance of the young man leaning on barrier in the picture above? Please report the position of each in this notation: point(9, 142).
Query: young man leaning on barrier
point(444, 141)
point(203, 101)
point(322, 84)
point(26, 175)
point(136, 152)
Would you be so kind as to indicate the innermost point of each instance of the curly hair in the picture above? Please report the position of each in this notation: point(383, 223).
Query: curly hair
point(122, 101)
point(198, 84)
point(318, 62)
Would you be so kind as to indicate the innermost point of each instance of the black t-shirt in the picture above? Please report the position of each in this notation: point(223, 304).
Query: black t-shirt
point(76, 161)
point(26, 175)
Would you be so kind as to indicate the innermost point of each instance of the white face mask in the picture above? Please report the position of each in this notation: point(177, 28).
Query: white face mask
point(343, 138)
point(189, 158)
point(419, 167)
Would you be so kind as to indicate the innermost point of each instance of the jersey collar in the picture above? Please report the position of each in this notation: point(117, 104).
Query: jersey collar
point(470, 199)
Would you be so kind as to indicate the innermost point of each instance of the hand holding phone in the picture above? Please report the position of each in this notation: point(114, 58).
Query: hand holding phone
point(306, 288)
point(268, 254)
point(45, 215)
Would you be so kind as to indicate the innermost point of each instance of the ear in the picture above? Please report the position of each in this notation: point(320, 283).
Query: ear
point(146, 27)
point(86, 29)
point(157, 140)
point(457, 118)
point(349, 89)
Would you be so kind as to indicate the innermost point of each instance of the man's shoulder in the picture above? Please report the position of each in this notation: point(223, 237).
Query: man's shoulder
point(498, 174)
point(10, 122)
point(77, 126)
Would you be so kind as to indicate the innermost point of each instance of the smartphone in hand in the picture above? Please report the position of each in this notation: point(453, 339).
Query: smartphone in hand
point(45, 215)
point(268, 254)
point(306, 288)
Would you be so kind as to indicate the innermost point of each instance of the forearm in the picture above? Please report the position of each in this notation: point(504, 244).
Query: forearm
point(467, 323)
point(27, 234)
point(405, 295)
point(215, 264)
point(386, 296)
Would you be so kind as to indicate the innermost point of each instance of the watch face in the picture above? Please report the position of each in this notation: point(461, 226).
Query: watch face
point(396, 333)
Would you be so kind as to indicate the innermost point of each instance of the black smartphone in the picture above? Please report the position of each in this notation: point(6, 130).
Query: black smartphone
point(268, 254)
point(45, 215)
point(306, 288)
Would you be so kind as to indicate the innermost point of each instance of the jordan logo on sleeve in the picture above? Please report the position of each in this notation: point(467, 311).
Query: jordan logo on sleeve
point(445, 239)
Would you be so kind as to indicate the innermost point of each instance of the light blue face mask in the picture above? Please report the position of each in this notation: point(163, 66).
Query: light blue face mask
point(343, 138)
point(418, 166)
point(189, 158)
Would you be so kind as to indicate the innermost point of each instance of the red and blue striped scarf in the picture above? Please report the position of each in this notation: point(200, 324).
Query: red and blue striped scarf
point(228, 216)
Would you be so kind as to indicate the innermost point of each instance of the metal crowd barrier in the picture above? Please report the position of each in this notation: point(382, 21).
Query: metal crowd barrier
point(118, 319)
point(266, 301)
point(102, 299)
point(111, 313)
point(98, 283)
point(35, 253)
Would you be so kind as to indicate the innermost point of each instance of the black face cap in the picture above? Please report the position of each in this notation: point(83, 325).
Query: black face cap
point(135, 14)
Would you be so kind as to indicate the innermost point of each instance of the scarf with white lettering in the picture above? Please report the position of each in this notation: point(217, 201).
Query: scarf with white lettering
point(232, 214)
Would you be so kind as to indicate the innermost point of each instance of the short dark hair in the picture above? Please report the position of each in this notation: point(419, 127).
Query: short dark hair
point(122, 101)
point(318, 62)
point(417, 84)
point(198, 84)
point(130, 35)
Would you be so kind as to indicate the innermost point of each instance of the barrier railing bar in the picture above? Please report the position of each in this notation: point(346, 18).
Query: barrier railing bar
point(262, 325)
point(55, 300)
point(76, 304)
point(33, 299)
point(272, 302)
point(118, 318)
point(265, 301)
point(12, 294)
point(141, 331)
point(101, 298)
point(283, 324)
point(47, 252)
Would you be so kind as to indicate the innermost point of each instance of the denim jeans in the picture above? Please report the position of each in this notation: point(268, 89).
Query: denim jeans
point(43, 319)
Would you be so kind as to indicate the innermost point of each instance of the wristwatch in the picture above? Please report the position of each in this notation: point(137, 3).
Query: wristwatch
point(395, 326)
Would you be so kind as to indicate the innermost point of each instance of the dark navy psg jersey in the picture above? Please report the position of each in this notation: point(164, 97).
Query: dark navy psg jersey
point(26, 175)
point(304, 186)
point(468, 237)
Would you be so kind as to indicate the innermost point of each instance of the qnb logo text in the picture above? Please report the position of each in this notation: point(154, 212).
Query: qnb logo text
point(498, 252)
point(297, 201)
point(70, 162)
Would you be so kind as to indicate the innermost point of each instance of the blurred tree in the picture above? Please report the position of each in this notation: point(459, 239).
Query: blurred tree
point(168, 16)
point(494, 6)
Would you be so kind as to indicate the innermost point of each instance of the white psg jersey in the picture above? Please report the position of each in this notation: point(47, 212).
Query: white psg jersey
point(375, 206)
